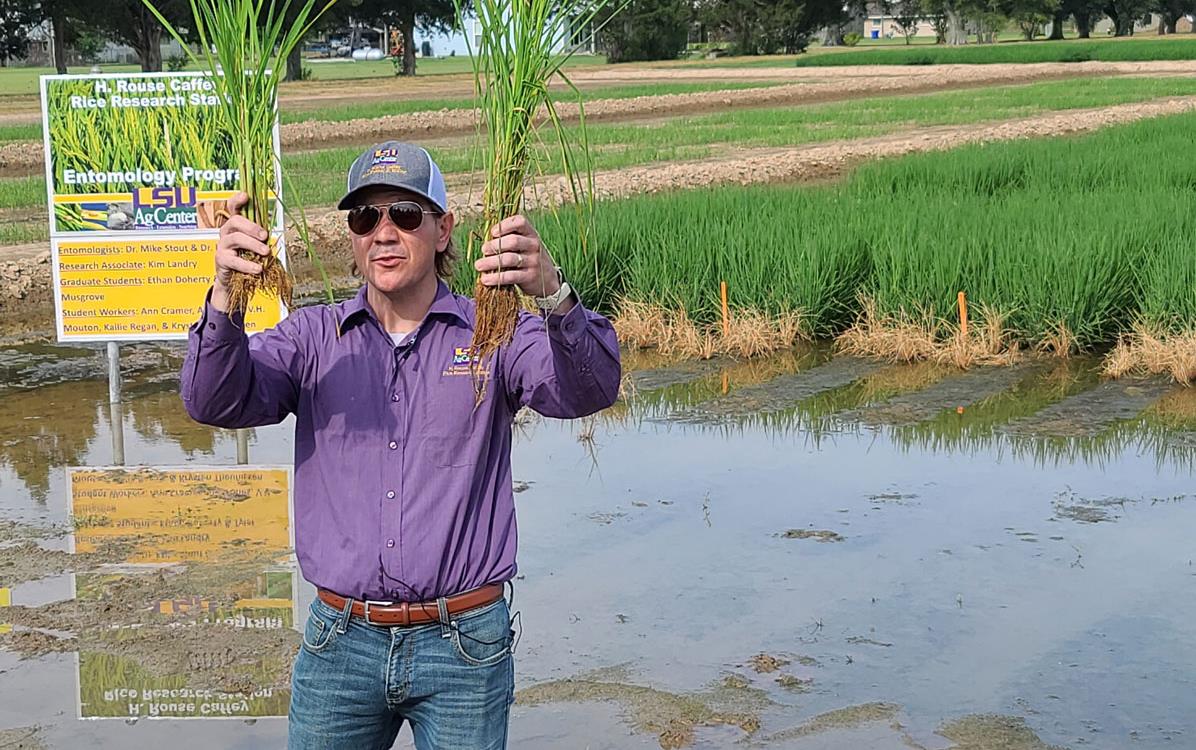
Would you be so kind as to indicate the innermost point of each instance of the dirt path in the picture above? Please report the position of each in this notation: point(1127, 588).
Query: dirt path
point(824, 85)
point(25, 277)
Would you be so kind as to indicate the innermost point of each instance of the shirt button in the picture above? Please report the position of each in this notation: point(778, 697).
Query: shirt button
point(390, 495)
point(393, 445)
point(211, 326)
point(390, 542)
point(394, 397)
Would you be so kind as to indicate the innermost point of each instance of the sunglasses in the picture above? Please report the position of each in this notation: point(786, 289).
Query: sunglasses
point(406, 215)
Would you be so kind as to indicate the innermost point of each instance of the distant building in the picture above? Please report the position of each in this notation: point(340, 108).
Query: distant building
point(880, 25)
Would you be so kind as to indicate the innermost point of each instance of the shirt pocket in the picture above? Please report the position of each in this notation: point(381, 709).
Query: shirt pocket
point(451, 451)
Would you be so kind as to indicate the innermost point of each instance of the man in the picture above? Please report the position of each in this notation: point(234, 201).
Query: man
point(404, 513)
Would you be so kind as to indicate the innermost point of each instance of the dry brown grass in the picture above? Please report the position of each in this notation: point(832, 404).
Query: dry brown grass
point(1146, 350)
point(1060, 342)
point(925, 337)
point(673, 333)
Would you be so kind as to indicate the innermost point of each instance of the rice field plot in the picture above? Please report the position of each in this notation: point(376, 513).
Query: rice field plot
point(1047, 238)
point(615, 146)
point(1077, 50)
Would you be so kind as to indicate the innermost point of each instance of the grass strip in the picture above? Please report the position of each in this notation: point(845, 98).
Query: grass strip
point(1043, 51)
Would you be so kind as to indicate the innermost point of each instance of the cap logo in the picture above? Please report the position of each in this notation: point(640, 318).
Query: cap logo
point(388, 156)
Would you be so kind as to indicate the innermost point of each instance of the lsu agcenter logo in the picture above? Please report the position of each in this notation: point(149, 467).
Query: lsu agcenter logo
point(460, 363)
point(385, 161)
point(172, 207)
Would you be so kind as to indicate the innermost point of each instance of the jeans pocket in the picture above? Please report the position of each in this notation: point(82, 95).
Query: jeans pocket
point(319, 631)
point(482, 638)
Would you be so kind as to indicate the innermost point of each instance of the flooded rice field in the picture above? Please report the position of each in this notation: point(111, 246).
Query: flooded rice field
point(801, 551)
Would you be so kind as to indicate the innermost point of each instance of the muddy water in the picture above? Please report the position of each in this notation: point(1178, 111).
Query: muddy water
point(797, 552)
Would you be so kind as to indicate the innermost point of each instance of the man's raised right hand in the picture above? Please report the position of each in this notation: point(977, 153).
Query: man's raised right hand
point(238, 233)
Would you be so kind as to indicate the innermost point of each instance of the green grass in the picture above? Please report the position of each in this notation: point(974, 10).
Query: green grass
point(374, 109)
point(1078, 50)
point(338, 70)
point(23, 192)
point(23, 132)
point(20, 233)
point(1046, 232)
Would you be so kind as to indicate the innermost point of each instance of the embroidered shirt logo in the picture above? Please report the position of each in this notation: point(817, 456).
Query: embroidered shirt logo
point(461, 362)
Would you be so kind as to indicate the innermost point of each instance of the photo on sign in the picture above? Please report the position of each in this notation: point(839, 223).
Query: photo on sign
point(136, 152)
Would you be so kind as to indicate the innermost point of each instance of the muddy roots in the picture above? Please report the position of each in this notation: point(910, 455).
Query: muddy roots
point(494, 327)
point(273, 281)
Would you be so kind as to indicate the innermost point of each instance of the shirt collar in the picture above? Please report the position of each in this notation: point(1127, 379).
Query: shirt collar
point(358, 308)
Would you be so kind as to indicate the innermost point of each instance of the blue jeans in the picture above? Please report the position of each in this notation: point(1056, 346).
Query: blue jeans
point(354, 684)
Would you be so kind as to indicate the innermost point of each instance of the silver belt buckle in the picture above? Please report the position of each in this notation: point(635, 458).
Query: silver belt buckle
point(367, 604)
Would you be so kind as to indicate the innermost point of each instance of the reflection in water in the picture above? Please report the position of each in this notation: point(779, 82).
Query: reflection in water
point(941, 562)
point(49, 427)
point(212, 653)
point(932, 408)
point(160, 418)
point(197, 619)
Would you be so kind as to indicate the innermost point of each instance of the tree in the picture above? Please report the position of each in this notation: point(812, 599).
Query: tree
point(644, 30)
point(948, 19)
point(429, 15)
point(1173, 10)
point(936, 13)
point(329, 19)
point(1030, 15)
point(837, 19)
point(88, 45)
point(1083, 11)
point(16, 18)
point(759, 27)
point(1057, 19)
point(907, 14)
point(1124, 13)
point(60, 14)
point(131, 22)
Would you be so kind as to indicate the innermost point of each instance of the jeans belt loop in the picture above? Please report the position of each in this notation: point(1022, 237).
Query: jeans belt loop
point(446, 629)
point(342, 621)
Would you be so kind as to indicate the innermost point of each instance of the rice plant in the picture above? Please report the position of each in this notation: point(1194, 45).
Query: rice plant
point(248, 42)
point(521, 48)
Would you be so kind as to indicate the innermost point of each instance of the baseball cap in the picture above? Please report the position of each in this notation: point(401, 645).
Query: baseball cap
point(398, 165)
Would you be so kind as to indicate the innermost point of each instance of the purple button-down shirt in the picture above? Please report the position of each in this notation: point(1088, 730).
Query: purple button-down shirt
point(402, 487)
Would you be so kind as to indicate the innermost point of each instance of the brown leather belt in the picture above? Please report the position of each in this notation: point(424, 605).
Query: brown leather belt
point(413, 613)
